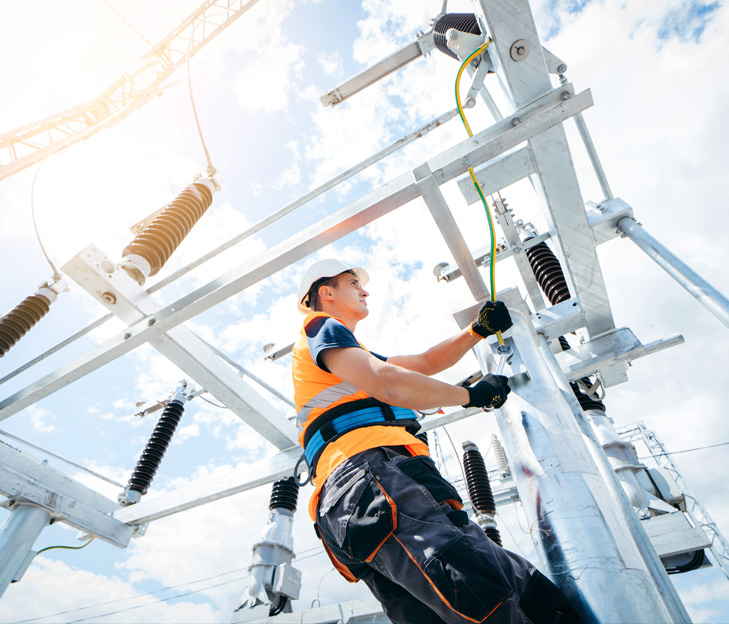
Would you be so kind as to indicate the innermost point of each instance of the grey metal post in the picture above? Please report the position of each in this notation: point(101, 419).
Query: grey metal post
point(17, 536)
point(582, 537)
point(594, 158)
point(697, 286)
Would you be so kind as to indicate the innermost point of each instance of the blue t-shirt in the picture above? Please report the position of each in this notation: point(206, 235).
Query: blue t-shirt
point(325, 333)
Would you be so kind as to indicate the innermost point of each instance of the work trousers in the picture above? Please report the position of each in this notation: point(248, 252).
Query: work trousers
point(385, 518)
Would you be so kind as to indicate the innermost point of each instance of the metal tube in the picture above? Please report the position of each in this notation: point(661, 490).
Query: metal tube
point(697, 286)
point(594, 158)
point(17, 536)
point(623, 505)
point(583, 542)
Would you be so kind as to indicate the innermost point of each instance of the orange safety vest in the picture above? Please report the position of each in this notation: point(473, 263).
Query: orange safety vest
point(316, 391)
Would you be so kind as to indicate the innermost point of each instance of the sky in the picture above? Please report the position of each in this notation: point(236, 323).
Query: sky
point(654, 70)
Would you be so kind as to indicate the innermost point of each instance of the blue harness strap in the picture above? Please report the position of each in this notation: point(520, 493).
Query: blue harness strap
point(348, 417)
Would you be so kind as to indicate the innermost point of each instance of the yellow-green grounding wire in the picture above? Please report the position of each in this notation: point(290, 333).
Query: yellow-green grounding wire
point(492, 262)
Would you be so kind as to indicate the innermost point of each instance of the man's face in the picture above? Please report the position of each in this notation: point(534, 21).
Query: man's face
point(349, 297)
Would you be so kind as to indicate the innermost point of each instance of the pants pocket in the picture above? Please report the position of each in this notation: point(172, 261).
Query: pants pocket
point(466, 581)
point(545, 603)
point(423, 471)
point(357, 514)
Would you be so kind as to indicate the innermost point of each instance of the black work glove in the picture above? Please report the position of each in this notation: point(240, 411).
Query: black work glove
point(491, 390)
point(492, 317)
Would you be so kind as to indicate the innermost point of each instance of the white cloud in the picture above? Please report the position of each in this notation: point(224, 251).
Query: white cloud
point(331, 63)
point(39, 417)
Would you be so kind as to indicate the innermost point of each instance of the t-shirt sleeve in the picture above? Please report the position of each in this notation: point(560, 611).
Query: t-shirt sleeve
point(328, 333)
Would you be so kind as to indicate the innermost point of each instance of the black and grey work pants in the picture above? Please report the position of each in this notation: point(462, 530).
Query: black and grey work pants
point(384, 517)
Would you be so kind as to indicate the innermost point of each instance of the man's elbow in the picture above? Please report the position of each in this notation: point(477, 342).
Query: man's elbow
point(389, 388)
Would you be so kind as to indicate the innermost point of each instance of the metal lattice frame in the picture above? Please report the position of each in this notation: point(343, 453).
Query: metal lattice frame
point(25, 146)
point(696, 511)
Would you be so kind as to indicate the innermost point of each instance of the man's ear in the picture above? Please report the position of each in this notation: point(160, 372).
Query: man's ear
point(325, 293)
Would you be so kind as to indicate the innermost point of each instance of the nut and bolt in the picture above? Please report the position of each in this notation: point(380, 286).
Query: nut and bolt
point(562, 68)
point(467, 162)
point(109, 298)
point(515, 122)
point(566, 95)
point(151, 322)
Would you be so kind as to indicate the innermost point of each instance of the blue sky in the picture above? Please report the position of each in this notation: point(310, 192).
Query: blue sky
point(655, 76)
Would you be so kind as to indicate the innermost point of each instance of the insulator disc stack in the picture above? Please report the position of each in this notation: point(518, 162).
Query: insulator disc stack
point(500, 456)
point(156, 242)
point(464, 22)
point(285, 495)
point(548, 272)
point(152, 455)
point(585, 400)
point(477, 480)
point(479, 487)
point(493, 534)
point(16, 323)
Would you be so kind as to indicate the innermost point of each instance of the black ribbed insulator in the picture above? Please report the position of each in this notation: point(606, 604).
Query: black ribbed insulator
point(548, 272)
point(586, 401)
point(493, 534)
point(465, 22)
point(152, 455)
point(564, 344)
point(156, 242)
point(20, 319)
point(285, 494)
point(477, 480)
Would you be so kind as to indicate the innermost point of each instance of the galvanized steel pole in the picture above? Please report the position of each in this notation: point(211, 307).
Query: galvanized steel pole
point(583, 540)
point(17, 536)
point(697, 286)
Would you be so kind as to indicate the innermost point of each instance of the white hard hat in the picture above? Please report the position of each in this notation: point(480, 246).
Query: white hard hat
point(331, 267)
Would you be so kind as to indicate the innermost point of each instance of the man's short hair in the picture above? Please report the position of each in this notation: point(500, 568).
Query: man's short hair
point(313, 296)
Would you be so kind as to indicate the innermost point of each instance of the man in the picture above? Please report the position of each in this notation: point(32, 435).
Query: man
point(380, 506)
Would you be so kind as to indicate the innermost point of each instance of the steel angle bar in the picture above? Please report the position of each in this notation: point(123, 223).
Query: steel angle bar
point(130, 302)
point(498, 173)
point(619, 345)
point(424, 44)
point(35, 447)
point(314, 193)
point(345, 221)
point(533, 119)
point(448, 273)
point(697, 286)
point(438, 207)
point(207, 490)
point(24, 478)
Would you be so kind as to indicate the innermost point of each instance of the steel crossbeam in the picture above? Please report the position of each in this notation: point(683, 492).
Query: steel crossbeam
point(536, 118)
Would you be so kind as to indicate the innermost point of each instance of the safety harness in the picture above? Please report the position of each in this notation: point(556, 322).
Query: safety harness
point(347, 417)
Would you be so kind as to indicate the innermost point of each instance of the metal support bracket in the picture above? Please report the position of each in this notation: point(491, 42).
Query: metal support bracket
point(26, 479)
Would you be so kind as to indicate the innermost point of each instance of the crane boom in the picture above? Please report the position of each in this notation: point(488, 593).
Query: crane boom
point(25, 146)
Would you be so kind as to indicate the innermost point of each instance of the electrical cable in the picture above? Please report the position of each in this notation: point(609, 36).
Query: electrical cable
point(211, 169)
point(492, 263)
point(307, 554)
point(199, 396)
point(149, 604)
point(56, 274)
point(691, 450)
point(156, 591)
point(64, 547)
